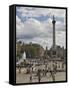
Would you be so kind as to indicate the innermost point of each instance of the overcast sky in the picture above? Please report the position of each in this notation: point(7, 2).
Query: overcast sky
point(35, 25)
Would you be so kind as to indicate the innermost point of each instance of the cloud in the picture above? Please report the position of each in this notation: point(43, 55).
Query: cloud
point(19, 26)
point(38, 12)
point(36, 31)
point(61, 38)
point(32, 11)
point(33, 28)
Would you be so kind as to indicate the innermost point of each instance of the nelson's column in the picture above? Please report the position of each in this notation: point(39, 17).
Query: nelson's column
point(53, 22)
point(53, 49)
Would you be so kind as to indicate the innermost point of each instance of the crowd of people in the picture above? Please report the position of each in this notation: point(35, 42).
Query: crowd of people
point(41, 73)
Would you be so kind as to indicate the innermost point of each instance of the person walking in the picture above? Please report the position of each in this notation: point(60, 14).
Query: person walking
point(30, 75)
point(53, 75)
point(19, 69)
point(39, 76)
point(30, 78)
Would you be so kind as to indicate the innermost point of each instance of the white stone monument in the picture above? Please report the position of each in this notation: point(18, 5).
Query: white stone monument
point(24, 56)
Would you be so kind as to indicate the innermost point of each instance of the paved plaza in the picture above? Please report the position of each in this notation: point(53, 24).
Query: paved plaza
point(25, 78)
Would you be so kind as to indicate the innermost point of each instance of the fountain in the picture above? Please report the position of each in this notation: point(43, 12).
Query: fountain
point(24, 56)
